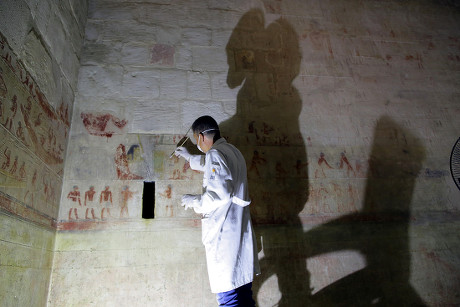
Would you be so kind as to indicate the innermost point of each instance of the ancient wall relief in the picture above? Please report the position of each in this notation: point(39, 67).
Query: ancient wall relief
point(103, 124)
point(92, 204)
point(33, 139)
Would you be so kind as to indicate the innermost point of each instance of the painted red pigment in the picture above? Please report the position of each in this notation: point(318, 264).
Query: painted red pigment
point(96, 124)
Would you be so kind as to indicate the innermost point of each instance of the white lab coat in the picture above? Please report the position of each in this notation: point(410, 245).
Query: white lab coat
point(227, 233)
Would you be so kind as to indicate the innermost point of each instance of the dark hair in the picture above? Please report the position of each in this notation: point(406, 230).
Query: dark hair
point(206, 125)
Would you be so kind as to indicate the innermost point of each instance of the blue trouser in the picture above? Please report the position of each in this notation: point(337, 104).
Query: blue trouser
point(239, 297)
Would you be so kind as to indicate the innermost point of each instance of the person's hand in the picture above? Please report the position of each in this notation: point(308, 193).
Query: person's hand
point(182, 152)
point(189, 201)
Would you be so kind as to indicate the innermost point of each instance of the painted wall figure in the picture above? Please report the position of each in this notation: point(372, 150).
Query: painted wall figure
point(47, 191)
point(3, 87)
point(186, 169)
point(7, 158)
point(105, 199)
point(169, 208)
point(344, 161)
point(14, 167)
point(301, 168)
point(256, 160)
point(7, 57)
point(10, 117)
point(30, 193)
point(352, 198)
point(167, 193)
point(318, 199)
point(322, 163)
point(126, 195)
point(339, 198)
point(20, 133)
point(122, 165)
point(89, 203)
point(63, 112)
point(360, 169)
point(180, 169)
point(176, 175)
point(74, 196)
point(325, 198)
point(22, 172)
point(3, 92)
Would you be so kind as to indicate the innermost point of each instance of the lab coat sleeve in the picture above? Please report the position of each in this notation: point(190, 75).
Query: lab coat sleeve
point(197, 163)
point(218, 185)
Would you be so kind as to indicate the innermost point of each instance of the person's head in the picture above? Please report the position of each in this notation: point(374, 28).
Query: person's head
point(205, 131)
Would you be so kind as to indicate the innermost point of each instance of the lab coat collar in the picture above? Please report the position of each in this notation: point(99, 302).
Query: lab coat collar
point(219, 141)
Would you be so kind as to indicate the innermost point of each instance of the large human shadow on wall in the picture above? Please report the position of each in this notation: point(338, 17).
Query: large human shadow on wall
point(379, 231)
point(265, 61)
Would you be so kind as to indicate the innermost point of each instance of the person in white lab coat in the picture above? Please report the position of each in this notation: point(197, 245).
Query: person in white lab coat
point(227, 232)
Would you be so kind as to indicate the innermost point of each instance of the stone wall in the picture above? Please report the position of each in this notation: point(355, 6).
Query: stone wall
point(40, 43)
point(346, 113)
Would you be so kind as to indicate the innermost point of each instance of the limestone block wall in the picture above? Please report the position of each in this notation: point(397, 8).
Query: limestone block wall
point(40, 43)
point(346, 113)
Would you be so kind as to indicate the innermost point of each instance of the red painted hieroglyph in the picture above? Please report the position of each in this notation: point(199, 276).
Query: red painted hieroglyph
point(32, 149)
point(102, 124)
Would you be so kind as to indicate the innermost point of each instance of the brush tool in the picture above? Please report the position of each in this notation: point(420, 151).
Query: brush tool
point(172, 154)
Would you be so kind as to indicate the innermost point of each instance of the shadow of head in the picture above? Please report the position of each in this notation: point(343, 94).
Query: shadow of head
point(394, 164)
point(253, 49)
